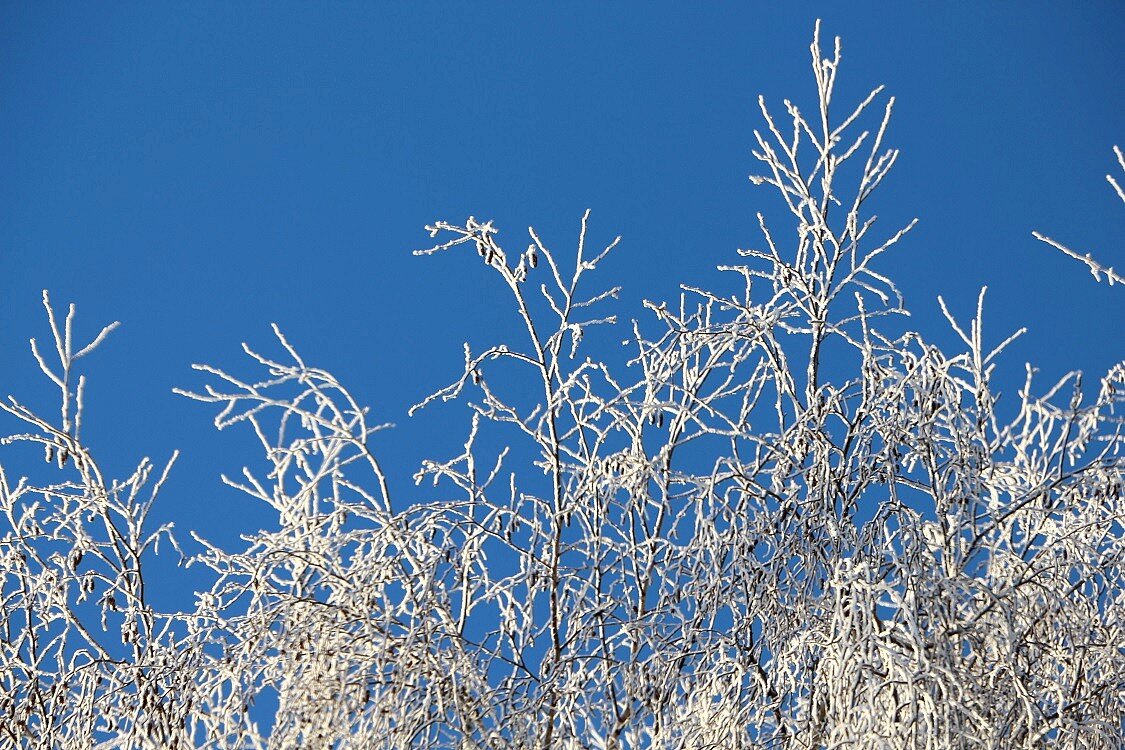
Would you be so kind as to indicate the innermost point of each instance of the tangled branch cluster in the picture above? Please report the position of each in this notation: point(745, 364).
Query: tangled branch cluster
point(784, 525)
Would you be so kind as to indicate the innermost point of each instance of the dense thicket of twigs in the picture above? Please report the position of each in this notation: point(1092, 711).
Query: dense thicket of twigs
point(789, 523)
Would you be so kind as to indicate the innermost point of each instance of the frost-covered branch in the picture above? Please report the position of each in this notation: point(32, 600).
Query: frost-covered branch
point(1097, 270)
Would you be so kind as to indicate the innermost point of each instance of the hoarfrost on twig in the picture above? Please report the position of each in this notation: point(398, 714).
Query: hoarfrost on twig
point(722, 543)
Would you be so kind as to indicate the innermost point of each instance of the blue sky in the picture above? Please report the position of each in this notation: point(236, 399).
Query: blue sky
point(200, 170)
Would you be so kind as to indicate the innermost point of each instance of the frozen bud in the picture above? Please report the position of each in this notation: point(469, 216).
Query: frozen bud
point(532, 256)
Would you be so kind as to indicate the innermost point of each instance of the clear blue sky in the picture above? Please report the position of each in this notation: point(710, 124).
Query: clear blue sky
point(199, 170)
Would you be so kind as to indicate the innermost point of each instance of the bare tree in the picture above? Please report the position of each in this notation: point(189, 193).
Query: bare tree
point(787, 522)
